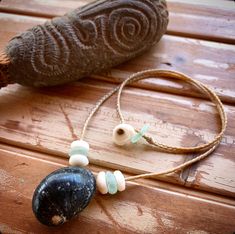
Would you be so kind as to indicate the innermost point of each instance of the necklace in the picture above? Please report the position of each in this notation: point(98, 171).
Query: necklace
point(66, 192)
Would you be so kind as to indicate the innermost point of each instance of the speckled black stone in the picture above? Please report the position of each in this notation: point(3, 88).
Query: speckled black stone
point(62, 195)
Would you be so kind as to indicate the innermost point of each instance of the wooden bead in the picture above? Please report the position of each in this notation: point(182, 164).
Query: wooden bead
point(121, 183)
point(123, 133)
point(78, 160)
point(101, 183)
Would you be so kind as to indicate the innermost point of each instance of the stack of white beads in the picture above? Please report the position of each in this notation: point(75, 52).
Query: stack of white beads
point(108, 182)
point(78, 153)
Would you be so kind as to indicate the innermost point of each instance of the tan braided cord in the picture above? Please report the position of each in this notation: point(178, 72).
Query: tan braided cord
point(176, 75)
point(205, 149)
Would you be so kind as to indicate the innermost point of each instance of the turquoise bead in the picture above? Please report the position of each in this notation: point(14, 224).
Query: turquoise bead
point(78, 150)
point(140, 134)
point(111, 183)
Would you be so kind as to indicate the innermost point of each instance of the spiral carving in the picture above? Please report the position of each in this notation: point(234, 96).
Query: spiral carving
point(87, 40)
point(126, 27)
point(48, 57)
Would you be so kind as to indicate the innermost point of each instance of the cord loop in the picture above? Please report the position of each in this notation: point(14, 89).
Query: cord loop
point(206, 149)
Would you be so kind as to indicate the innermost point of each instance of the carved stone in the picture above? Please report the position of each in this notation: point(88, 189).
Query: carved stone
point(87, 40)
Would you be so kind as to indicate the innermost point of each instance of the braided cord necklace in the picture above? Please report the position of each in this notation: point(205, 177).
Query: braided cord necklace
point(108, 182)
point(208, 148)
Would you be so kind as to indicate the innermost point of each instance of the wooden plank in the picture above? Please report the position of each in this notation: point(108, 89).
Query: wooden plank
point(209, 22)
point(224, 4)
point(47, 120)
point(209, 62)
point(62, 161)
point(140, 209)
point(186, 17)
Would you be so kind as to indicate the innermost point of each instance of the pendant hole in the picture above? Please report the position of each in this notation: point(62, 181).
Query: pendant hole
point(120, 131)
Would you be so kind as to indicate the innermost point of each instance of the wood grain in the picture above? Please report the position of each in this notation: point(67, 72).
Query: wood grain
point(62, 161)
point(47, 120)
point(209, 62)
point(37, 127)
point(186, 17)
point(140, 209)
point(214, 22)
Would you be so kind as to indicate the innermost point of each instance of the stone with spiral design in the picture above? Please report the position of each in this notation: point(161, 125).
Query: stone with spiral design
point(87, 40)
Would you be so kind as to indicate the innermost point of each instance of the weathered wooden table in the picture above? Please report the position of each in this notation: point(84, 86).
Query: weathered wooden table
point(37, 126)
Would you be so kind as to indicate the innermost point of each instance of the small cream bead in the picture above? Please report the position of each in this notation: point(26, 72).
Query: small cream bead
point(80, 143)
point(101, 183)
point(123, 133)
point(120, 180)
point(78, 160)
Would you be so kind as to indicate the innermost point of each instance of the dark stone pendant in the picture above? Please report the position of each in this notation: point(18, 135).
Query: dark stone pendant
point(62, 195)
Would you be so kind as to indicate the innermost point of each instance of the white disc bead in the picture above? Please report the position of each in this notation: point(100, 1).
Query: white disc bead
point(78, 153)
point(78, 160)
point(121, 183)
point(123, 133)
point(101, 183)
point(79, 144)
